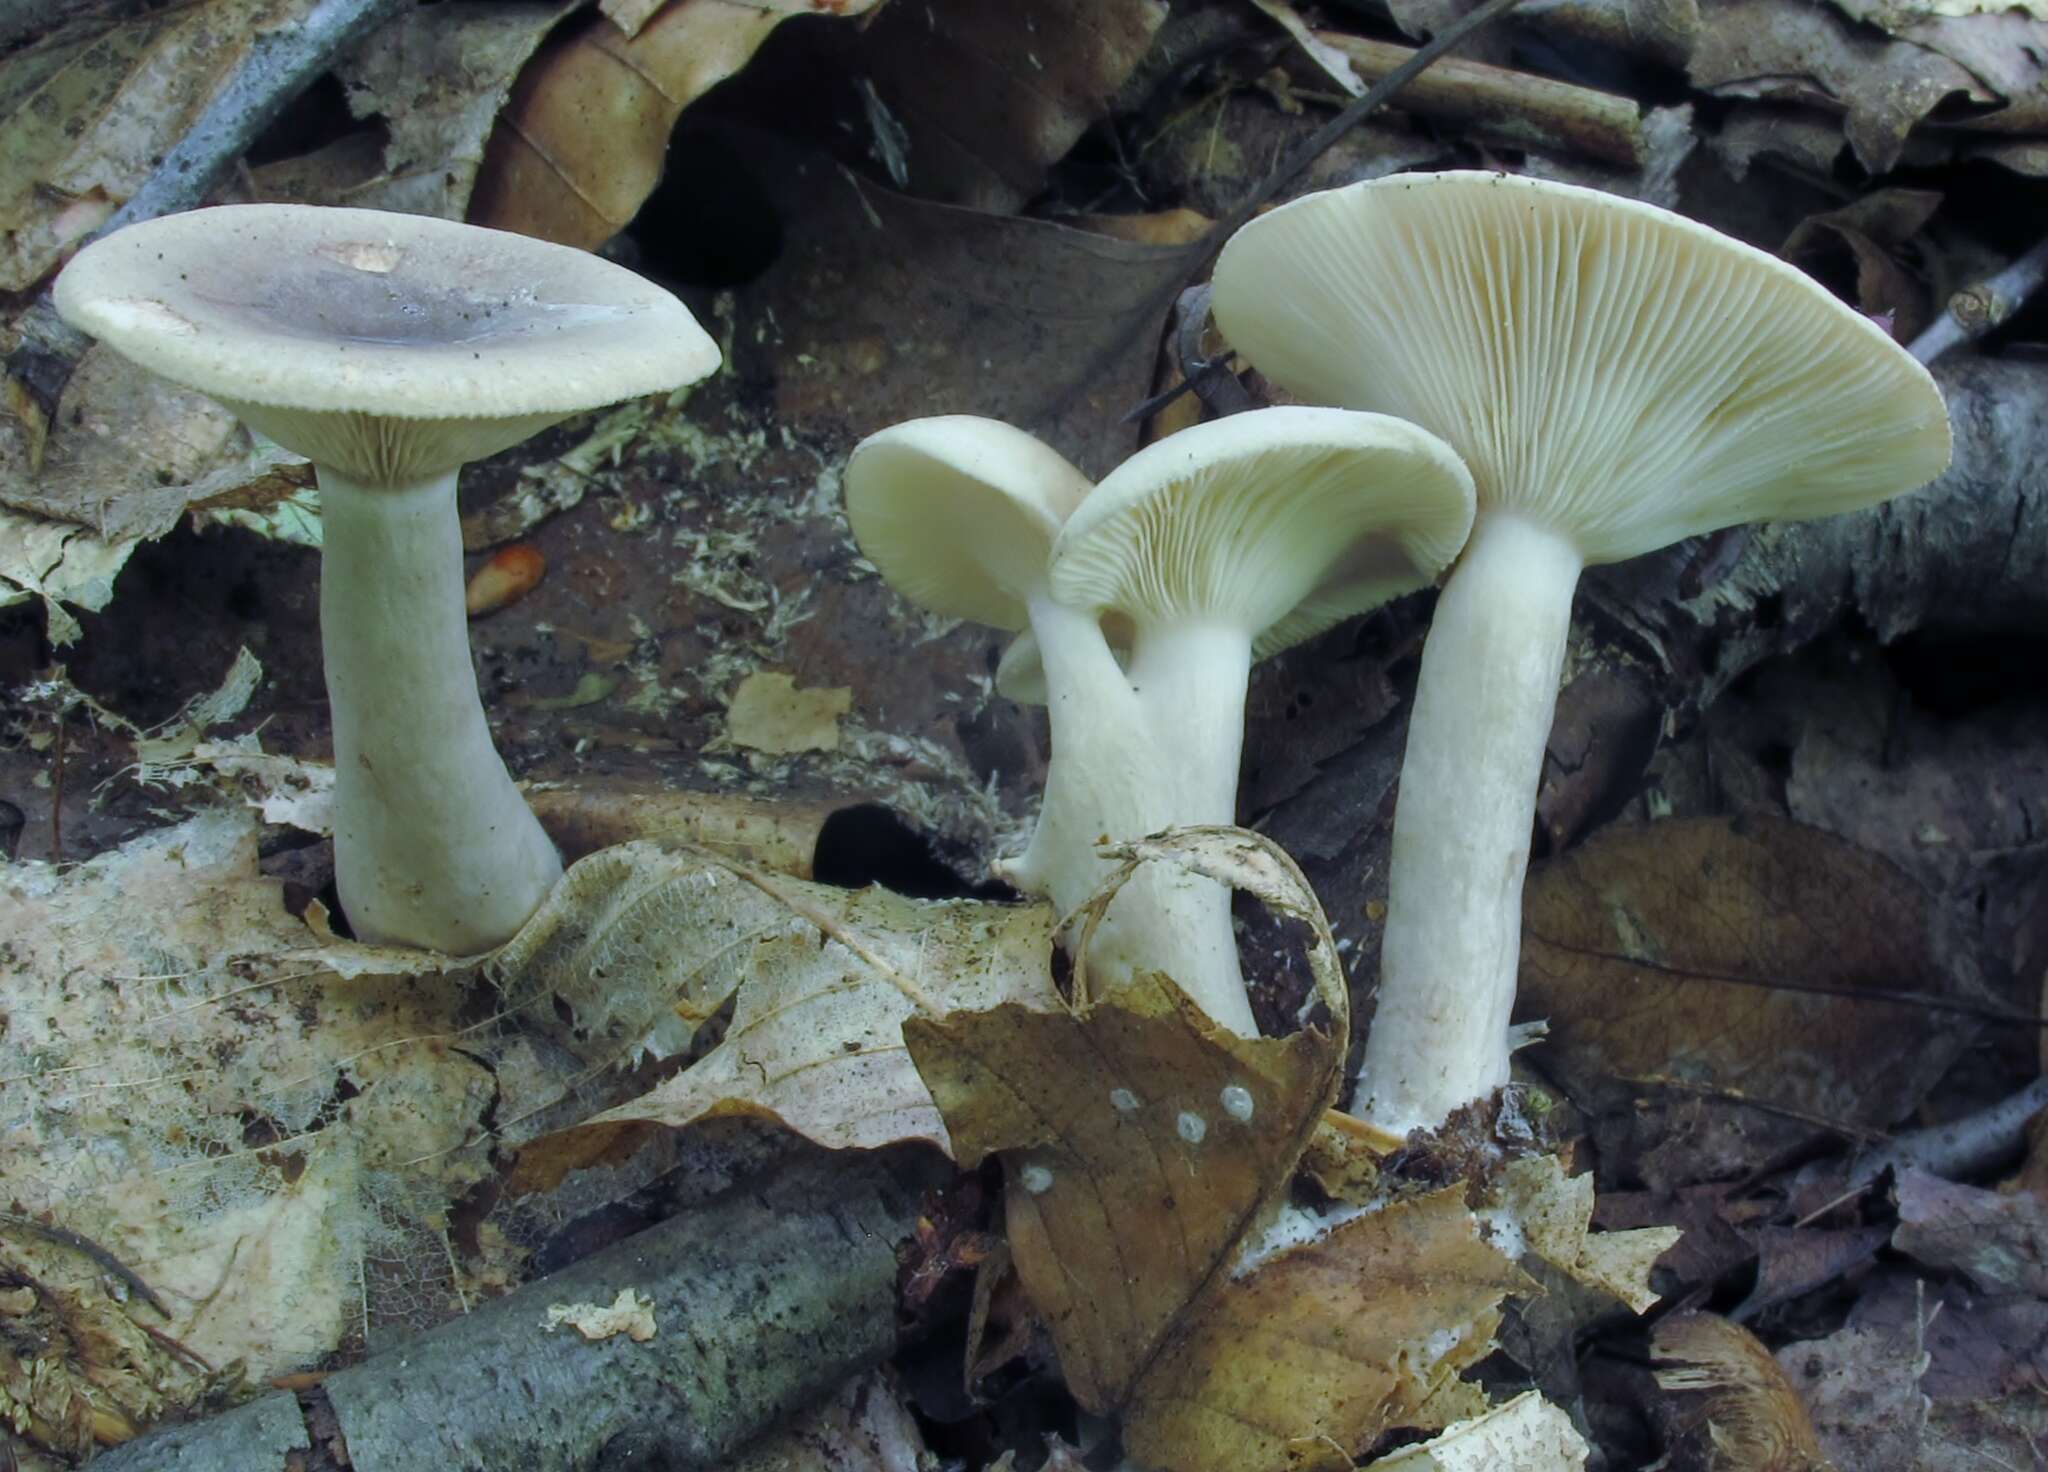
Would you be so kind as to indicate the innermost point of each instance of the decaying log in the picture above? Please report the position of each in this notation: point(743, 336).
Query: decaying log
point(761, 1300)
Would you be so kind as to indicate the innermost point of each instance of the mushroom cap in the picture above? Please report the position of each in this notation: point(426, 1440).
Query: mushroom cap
point(959, 513)
point(1623, 374)
point(1020, 673)
point(389, 347)
point(1285, 521)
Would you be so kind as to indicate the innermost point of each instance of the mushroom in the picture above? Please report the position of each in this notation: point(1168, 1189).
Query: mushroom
point(1220, 545)
point(391, 350)
point(1617, 377)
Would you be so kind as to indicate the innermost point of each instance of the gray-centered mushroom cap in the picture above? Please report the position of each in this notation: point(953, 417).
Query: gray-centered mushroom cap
point(1284, 520)
point(1617, 371)
point(388, 346)
point(959, 513)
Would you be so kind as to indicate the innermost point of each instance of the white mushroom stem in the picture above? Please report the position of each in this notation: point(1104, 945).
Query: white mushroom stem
point(433, 845)
point(1467, 806)
point(1113, 776)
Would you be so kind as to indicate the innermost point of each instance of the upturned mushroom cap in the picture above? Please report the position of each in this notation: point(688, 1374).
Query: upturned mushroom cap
point(1282, 521)
point(959, 513)
point(1622, 374)
point(388, 347)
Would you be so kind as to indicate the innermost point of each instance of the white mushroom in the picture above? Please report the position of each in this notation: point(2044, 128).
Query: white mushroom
point(1220, 545)
point(390, 350)
point(1617, 377)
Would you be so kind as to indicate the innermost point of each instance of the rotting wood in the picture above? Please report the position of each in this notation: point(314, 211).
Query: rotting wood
point(762, 1301)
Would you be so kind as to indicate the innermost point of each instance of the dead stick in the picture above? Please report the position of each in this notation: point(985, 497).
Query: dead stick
point(762, 1301)
point(1975, 310)
point(1514, 107)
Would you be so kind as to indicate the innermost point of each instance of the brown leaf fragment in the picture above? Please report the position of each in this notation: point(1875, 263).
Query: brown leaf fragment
point(1796, 1260)
point(862, 1427)
point(1998, 1241)
point(592, 814)
point(1328, 1345)
point(1731, 953)
point(1527, 1433)
point(1140, 1143)
point(584, 134)
point(769, 713)
point(1551, 1212)
point(1814, 55)
point(1873, 230)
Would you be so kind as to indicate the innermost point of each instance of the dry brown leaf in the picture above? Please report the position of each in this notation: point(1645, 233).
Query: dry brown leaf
point(815, 1037)
point(591, 814)
point(1817, 56)
point(1728, 1406)
point(1553, 1213)
point(582, 138)
point(1998, 1241)
point(1528, 1434)
point(1141, 1143)
point(1670, 950)
point(768, 713)
point(1325, 1347)
point(988, 94)
point(84, 118)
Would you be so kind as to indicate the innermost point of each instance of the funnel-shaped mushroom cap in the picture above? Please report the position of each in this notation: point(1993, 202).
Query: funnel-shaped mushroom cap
point(1280, 521)
point(1620, 373)
point(960, 512)
point(388, 347)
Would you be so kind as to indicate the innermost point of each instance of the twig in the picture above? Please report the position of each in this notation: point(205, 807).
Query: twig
point(86, 1247)
point(1960, 1147)
point(1509, 105)
point(1975, 310)
point(280, 64)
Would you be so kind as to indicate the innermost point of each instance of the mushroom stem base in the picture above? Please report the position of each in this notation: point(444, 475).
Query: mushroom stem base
point(433, 845)
point(1484, 701)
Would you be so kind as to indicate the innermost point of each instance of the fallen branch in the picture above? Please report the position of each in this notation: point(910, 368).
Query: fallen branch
point(1510, 106)
point(1975, 310)
point(761, 1301)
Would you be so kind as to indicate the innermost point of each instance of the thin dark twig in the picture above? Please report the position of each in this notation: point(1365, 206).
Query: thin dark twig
point(1805, 988)
point(86, 1247)
point(1975, 310)
point(1291, 167)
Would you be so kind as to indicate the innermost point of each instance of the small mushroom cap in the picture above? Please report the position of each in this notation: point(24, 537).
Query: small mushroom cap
point(960, 512)
point(1621, 373)
point(389, 347)
point(1284, 521)
point(1020, 673)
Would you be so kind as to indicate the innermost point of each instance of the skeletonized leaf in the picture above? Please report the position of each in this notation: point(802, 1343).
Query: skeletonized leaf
point(815, 1037)
point(1328, 1345)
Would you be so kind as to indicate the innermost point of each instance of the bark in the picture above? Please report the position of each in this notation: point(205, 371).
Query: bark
point(763, 1300)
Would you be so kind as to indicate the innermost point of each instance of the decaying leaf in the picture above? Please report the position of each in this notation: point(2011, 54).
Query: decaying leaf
point(583, 137)
point(1705, 950)
point(1325, 1347)
point(1527, 1433)
point(228, 1119)
point(1998, 1240)
point(1552, 1212)
point(1729, 1407)
point(89, 112)
point(1140, 1142)
point(768, 713)
point(630, 1314)
point(815, 1036)
point(60, 563)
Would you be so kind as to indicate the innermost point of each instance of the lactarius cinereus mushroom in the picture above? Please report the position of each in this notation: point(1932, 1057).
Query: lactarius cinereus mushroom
point(1617, 377)
point(1219, 545)
point(390, 350)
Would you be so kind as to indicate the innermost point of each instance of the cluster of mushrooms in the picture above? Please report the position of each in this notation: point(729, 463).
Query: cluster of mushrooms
point(1523, 379)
